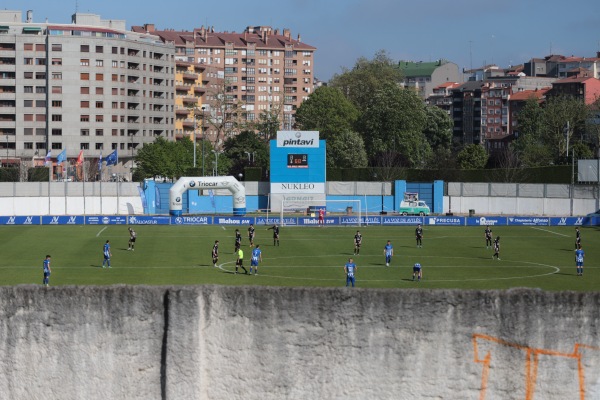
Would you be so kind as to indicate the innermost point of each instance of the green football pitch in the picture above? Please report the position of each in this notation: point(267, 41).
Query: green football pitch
point(452, 257)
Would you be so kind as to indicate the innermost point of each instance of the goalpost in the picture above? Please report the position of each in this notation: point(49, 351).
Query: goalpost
point(350, 209)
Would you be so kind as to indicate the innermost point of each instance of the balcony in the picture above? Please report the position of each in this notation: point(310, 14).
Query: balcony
point(190, 77)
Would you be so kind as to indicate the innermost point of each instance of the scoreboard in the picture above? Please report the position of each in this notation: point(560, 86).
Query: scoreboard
point(297, 161)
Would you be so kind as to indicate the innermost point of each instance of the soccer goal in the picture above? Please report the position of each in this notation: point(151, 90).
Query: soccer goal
point(350, 209)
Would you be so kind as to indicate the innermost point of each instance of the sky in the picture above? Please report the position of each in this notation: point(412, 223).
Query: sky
point(470, 33)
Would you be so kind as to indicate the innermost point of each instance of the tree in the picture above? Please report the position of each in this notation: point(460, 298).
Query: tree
point(530, 148)
point(394, 119)
point(244, 150)
point(472, 156)
point(438, 128)
point(558, 111)
point(346, 150)
point(366, 78)
point(327, 111)
point(164, 158)
point(224, 115)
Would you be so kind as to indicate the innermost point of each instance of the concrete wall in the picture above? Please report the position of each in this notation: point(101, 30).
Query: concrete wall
point(214, 342)
point(519, 206)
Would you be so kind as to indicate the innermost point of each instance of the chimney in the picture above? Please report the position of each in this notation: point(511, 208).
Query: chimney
point(264, 36)
point(287, 34)
point(29, 16)
point(149, 28)
point(299, 38)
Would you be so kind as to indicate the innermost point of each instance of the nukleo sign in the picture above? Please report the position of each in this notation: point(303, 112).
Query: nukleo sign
point(297, 139)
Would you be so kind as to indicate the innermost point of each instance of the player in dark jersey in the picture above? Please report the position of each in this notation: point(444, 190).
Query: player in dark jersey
point(577, 238)
point(132, 237)
point(251, 235)
point(47, 270)
point(275, 234)
point(419, 235)
point(579, 254)
point(417, 271)
point(238, 240)
point(357, 243)
point(488, 237)
point(496, 248)
point(215, 253)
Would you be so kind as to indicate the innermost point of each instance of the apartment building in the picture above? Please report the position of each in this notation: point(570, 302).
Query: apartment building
point(558, 66)
point(260, 69)
point(442, 96)
point(423, 77)
point(89, 85)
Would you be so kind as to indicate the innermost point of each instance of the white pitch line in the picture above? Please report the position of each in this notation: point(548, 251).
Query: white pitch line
point(546, 230)
point(101, 230)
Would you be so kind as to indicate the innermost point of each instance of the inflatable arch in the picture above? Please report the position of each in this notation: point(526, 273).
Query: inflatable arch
point(238, 191)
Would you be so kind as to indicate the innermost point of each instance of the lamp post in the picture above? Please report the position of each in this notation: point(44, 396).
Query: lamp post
point(6, 150)
point(216, 161)
point(202, 138)
point(194, 133)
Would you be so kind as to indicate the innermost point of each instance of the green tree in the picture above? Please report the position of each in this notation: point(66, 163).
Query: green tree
point(557, 112)
point(346, 150)
point(438, 128)
point(164, 158)
point(472, 156)
point(245, 150)
point(367, 77)
point(395, 119)
point(529, 146)
point(327, 111)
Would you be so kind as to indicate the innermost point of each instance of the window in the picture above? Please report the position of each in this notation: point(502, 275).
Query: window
point(40, 117)
point(28, 131)
point(85, 104)
point(84, 62)
point(84, 48)
point(56, 47)
point(57, 89)
point(40, 89)
point(28, 145)
point(99, 49)
point(115, 50)
point(99, 104)
point(84, 76)
point(115, 118)
point(40, 47)
point(115, 64)
point(99, 132)
point(40, 103)
point(84, 146)
point(40, 75)
point(56, 103)
point(85, 132)
point(84, 118)
point(84, 90)
point(28, 75)
point(57, 76)
point(40, 61)
point(56, 132)
point(99, 77)
point(57, 61)
point(115, 77)
point(99, 90)
point(28, 61)
point(28, 46)
point(99, 118)
point(99, 146)
point(27, 103)
point(56, 117)
point(40, 131)
point(56, 146)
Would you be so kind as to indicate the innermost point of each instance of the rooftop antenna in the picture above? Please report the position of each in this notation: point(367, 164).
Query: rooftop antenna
point(550, 48)
point(471, 54)
point(76, 6)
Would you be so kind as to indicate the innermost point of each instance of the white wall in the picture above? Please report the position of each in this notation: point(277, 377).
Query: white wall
point(518, 206)
point(71, 205)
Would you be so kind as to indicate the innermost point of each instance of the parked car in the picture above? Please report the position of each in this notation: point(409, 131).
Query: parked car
point(594, 214)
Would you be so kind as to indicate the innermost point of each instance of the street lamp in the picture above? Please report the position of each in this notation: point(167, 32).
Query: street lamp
point(202, 132)
point(216, 161)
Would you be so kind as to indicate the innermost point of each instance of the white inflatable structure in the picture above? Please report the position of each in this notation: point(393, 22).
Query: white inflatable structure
point(238, 191)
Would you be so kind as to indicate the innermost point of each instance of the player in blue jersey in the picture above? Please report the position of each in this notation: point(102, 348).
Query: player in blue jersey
point(254, 259)
point(579, 254)
point(47, 270)
point(417, 272)
point(388, 252)
point(350, 269)
point(107, 254)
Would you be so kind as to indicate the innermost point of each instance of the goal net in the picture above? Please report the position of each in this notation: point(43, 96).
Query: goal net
point(351, 210)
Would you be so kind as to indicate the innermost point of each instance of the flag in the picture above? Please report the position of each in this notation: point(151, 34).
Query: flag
point(80, 158)
point(48, 157)
point(211, 194)
point(61, 157)
point(157, 196)
point(100, 164)
point(112, 158)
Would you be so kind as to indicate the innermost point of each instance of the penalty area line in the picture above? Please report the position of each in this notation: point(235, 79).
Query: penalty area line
point(549, 231)
point(101, 230)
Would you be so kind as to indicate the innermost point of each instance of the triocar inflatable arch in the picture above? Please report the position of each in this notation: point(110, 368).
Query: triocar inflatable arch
point(238, 191)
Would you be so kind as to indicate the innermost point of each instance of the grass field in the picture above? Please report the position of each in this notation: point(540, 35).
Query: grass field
point(452, 257)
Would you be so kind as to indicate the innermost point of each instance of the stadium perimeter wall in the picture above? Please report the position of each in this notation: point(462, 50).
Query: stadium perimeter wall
point(217, 342)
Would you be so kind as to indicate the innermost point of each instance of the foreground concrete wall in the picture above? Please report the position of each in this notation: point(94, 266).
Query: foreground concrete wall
point(293, 343)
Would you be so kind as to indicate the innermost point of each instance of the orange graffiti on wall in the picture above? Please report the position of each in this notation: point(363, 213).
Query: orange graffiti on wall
point(532, 355)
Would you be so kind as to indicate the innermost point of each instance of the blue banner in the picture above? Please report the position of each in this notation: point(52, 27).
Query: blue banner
point(63, 220)
point(445, 221)
point(106, 220)
point(157, 196)
point(570, 221)
point(484, 221)
point(529, 221)
point(191, 220)
point(315, 221)
point(144, 220)
point(18, 220)
point(275, 220)
point(401, 220)
point(143, 197)
point(233, 220)
point(374, 220)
